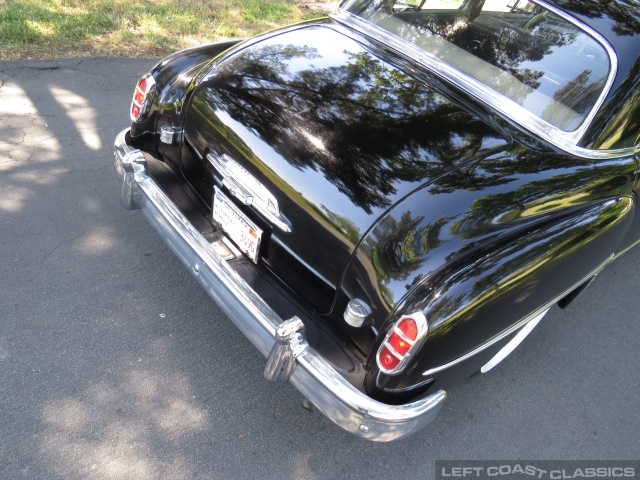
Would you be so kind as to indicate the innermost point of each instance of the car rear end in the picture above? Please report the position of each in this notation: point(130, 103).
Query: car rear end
point(254, 203)
point(301, 351)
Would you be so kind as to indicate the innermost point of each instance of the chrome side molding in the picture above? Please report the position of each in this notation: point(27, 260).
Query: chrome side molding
point(513, 343)
point(537, 314)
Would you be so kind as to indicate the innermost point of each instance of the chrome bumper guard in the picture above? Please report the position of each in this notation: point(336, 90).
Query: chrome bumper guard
point(289, 356)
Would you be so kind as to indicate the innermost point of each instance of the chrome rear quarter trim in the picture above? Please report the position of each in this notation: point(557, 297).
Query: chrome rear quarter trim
point(521, 323)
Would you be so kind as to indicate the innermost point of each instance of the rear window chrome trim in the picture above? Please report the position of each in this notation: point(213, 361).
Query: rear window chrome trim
point(513, 112)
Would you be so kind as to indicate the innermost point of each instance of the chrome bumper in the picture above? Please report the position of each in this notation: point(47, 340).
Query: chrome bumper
point(289, 356)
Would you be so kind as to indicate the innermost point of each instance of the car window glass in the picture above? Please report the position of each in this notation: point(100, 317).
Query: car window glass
point(519, 49)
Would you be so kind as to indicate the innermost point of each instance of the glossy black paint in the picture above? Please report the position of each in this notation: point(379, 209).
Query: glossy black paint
point(499, 204)
point(173, 76)
point(336, 133)
point(401, 190)
point(618, 124)
point(618, 121)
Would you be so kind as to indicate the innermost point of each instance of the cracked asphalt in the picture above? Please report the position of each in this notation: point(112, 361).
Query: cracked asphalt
point(115, 364)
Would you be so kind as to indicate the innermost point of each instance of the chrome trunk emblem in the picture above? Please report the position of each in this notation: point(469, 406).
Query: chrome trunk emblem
point(244, 186)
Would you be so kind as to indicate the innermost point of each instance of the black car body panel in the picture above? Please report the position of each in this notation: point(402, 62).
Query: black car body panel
point(335, 132)
point(402, 190)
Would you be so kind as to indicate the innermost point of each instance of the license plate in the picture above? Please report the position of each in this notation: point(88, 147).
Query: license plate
point(244, 233)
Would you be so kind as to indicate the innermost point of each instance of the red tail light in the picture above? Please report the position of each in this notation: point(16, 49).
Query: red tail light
point(387, 361)
point(141, 97)
point(402, 341)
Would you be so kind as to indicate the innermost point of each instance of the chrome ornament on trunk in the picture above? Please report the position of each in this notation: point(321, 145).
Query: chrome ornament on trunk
point(246, 188)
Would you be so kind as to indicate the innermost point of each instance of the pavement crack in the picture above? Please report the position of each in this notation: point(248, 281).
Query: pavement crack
point(53, 250)
point(22, 140)
point(48, 254)
point(99, 194)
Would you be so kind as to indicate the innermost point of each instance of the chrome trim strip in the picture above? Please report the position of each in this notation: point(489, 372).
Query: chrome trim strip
point(246, 188)
point(392, 351)
point(513, 343)
point(313, 376)
point(566, 141)
point(613, 70)
point(622, 252)
point(303, 262)
point(399, 332)
point(518, 325)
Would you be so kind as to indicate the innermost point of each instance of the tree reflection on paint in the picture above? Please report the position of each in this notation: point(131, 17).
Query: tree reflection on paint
point(364, 124)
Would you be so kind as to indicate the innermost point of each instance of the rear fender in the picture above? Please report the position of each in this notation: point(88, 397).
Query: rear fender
point(483, 302)
point(173, 76)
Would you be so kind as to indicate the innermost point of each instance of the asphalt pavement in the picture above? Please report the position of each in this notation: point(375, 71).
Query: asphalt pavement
point(114, 363)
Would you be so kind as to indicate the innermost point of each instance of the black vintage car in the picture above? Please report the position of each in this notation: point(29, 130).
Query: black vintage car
point(388, 200)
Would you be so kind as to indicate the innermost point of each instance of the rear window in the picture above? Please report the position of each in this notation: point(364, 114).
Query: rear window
point(519, 49)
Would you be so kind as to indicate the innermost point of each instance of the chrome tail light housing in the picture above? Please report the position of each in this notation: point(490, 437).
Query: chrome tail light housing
point(142, 97)
point(401, 342)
